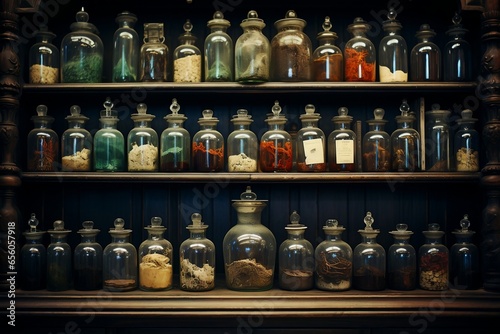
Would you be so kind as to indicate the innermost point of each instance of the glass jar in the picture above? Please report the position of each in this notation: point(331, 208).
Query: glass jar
point(360, 58)
point(377, 144)
point(59, 258)
point(467, 142)
point(334, 259)
point(291, 50)
point(82, 52)
point(252, 51)
point(175, 142)
point(154, 54)
point(109, 144)
point(119, 267)
point(275, 153)
point(126, 49)
point(155, 259)
point(88, 259)
point(369, 259)
point(197, 258)
point(425, 59)
point(405, 142)
point(242, 144)
point(327, 59)
point(249, 247)
point(142, 142)
point(44, 59)
point(401, 261)
point(219, 51)
point(208, 145)
point(33, 269)
point(311, 143)
point(341, 143)
point(76, 143)
point(437, 147)
point(433, 261)
point(393, 52)
point(43, 143)
point(457, 53)
point(296, 258)
point(187, 57)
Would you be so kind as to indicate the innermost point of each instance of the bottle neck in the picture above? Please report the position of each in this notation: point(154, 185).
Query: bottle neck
point(88, 239)
point(333, 237)
point(197, 235)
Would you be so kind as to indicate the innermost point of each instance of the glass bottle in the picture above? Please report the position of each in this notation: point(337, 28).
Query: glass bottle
point(369, 259)
point(291, 50)
point(334, 259)
point(467, 142)
point(296, 258)
point(405, 142)
point(393, 52)
point(76, 143)
point(59, 258)
point(142, 142)
point(43, 143)
point(208, 145)
point(109, 144)
point(187, 57)
point(401, 261)
point(377, 144)
point(44, 59)
point(88, 259)
point(457, 53)
point(119, 267)
point(175, 142)
point(327, 59)
point(276, 144)
point(82, 52)
point(437, 152)
point(252, 51)
point(341, 143)
point(154, 54)
point(311, 143)
point(242, 144)
point(155, 259)
point(33, 258)
point(425, 59)
point(433, 260)
point(197, 258)
point(219, 52)
point(360, 58)
point(249, 247)
point(126, 49)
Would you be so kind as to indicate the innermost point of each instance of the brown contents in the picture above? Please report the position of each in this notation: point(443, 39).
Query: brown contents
point(248, 274)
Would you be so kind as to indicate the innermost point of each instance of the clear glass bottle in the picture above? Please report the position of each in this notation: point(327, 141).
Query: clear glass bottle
point(219, 51)
point(425, 58)
point(401, 261)
point(467, 142)
point(154, 54)
point(82, 52)
point(44, 59)
point(109, 143)
point(59, 259)
point(433, 260)
point(360, 58)
point(392, 52)
point(311, 143)
point(249, 247)
point(175, 142)
point(405, 142)
point(197, 258)
point(291, 50)
point(437, 146)
point(88, 259)
point(457, 53)
point(342, 143)
point(119, 266)
point(43, 143)
point(334, 259)
point(126, 49)
point(377, 144)
point(369, 259)
point(76, 143)
point(155, 259)
point(142, 142)
point(252, 51)
point(208, 145)
point(187, 57)
point(33, 269)
point(327, 59)
point(242, 144)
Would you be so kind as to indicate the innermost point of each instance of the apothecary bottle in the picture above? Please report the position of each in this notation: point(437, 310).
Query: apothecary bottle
point(296, 258)
point(275, 149)
point(88, 259)
point(360, 58)
point(405, 142)
point(109, 143)
point(154, 56)
point(377, 144)
point(437, 150)
point(464, 259)
point(457, 53)
point(208, 145)
point(311, 143)
point(249, 247)
point(126, 49)
point(291, 50)
point(433, 259)
point(43, 143)
point(59, 259)
point(155, 259)
point(44, 59)
point(252, 51)
point(401, 261)
point(242, 144)
point(341, 143)
point(369, 259)
point(76, 143)
point(425, 58)
point(119, 267)
point(392, 52)
point(175, 142)
point(33, 269)
point(327, 59)
point(334, 259)
point(82, 52)
point(219, 50)
point(467, 142)
point(197, 258)
point(187, 57)
point(142, 142)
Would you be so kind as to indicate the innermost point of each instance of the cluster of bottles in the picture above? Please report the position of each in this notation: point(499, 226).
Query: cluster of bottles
point(253, 58)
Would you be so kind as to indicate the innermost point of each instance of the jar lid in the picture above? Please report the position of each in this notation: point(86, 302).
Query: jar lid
point(310, 114)
point(126, 16)
point(401, 232)
point(218, 21)
point(242, 117)
point(75, 115)
point(425, 32)
point(433, 231)
point(252, 20)
point(369, 231)
point(332, 227)
point(155, 225)
point(82, 23)
point(391, 24)
point(41, 114)
point(119, 229)
point(464, 228)
point(33, 233)
point(343, 116)
point(466, 117)
point(457, 29)
point(175, 116)
point(378, 114)
point(187, 35)
point(208, 118)
point(290, 19)
point(359, 25)
point(326, 33)
point(437, 111)
point(248, 196)
point(197, 225)
point(142, 114)
point(59, 228)
point(274, 117)
point(295, 223)
point(88, 229)
point(44, 31)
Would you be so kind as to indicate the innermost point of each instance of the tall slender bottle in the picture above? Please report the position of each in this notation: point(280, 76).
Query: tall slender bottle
point(341, 143)
point(154, 55)
point(33, 270)
point(425, 58)
point(59, 259)
point(43, 143)
point(175, 142)
point(401, 261)
point(109, 143)
point(393, 52)
point(457, 53)
point(219, 50)
point(88, 259)
point(126, 49)
point(464, 259)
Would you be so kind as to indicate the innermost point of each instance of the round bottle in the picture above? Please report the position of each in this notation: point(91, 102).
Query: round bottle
point(187, 57)
point(109, 144)
point(154, 54)
point(425, 59)
point(393, 52)
point(44, 59)
point(76, 143)
point(208, 145)
point(311, 143)
point(433, 260)
point(197, 258)
point(33, 258)
point(457, 53)
point(341, 143)
point(401, 261)
point(175, 142)
point(242, 144)
point(219, 52)
point(155, 259)
point(360, 58)
point(88, 259)
point(405, 142)
point(327, 59)
point(142, 142)
point(377, 144)
point(437, 147)
point(126, 49)
point(467, 142)
point(59, 258)
point(43, 143)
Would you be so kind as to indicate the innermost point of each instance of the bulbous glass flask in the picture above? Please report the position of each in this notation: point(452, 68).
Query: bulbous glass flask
point(76, 143)
point(341, 143)
point(175, 142)
point(208, 145)
point(88, 259)
point(59, 259)
point(433, 260)
point(242, 144)
point(401, 261)
point(33, 269)
point(142, 142)
point(109, 143)
point(44, 59)
point(43, 143)
point(219, 50)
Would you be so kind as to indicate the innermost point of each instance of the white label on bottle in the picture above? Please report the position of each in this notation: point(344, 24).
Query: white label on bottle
point(344, 150)
point(313, 150)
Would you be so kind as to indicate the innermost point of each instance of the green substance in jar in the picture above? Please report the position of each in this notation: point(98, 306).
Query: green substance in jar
point(86, 69)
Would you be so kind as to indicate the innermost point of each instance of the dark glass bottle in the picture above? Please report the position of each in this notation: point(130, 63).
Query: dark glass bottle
point(126, 49)
point(88, 259)
point(175, 142)
point(433, 260)
point(59, 259)
point(154, 56)
point(401, 261)
point(341, 144)
point(437, 150)
point(109, 143)
point(327, 59)
point(457, 53)
point(33, 270)
point(43, 143)
point(425, 58)
point(208, 145)
point(377, 145)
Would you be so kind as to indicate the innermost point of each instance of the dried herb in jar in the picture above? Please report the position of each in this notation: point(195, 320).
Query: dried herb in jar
point(357, 68)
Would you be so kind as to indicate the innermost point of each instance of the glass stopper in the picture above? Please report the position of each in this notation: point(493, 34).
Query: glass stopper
point(294, 218)
point(435, 106)
point(466, 114)
point(433, 227)
point(142, 108)
point(379, 113)
point(457, 19)
point(41, 110)
point(119, 223)
point(248, 194)
point(310, 108)
point(404, 108)
point(291, 14)
point(156, 221)
point(252, 14)
point(218, 15)
point(82, 16)
point(75, 110)
point(276, 109)
point(332, 223)
point(188, 26)
point(59, 225)
point(175, 107)
point(107, 107)
point(392, 14)
point(343, 111)
point(368, 220)
point(327, 24)
point(33, 222)
point(196, 219)
point(242, 113)
point(207, 113)
point(88, 225)
point(401, 227)
point(465, 223)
